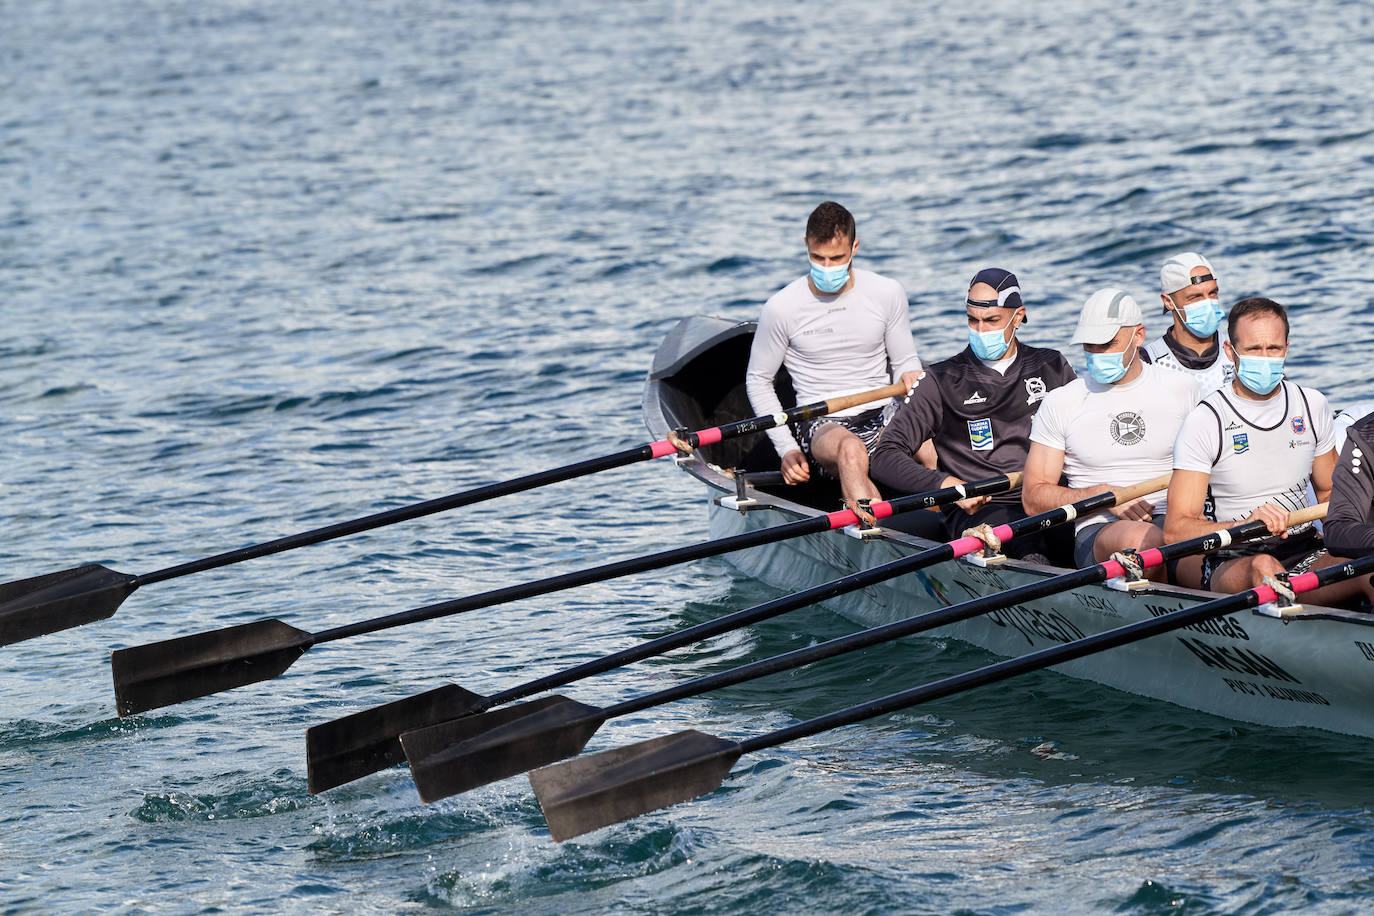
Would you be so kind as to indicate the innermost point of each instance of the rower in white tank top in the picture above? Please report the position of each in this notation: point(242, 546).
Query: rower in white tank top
point(1256, 452)
point(1247, 453)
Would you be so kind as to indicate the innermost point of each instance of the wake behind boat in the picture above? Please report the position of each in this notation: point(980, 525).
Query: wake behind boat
point(1311, 667)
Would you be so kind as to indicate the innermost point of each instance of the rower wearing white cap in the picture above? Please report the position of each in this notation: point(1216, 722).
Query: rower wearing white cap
point(1248, 453)
point(1114, 428)
point(1189, 291)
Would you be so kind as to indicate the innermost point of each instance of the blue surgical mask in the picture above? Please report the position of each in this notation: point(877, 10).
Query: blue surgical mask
point(1107, 368)
point(1202, 318)
point(829, 279)
point(1261, 374)
point(988, 344)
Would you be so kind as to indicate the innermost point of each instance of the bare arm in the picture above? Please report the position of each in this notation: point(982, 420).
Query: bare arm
point(1187, 499)
point(1040, 489)
point(1322, 466)
point(1041, 492)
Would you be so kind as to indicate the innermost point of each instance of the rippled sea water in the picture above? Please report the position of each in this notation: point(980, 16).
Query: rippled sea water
point(266, 266)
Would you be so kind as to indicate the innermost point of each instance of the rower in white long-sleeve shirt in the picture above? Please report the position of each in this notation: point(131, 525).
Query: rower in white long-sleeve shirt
point(838, 330)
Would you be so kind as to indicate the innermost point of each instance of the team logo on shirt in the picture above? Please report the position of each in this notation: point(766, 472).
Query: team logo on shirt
point(980, 435)
point(1035, 390)
point(1127, 428)
point(975, 398)
point(1294, 443)
point(1298, 425)
point(1240, 443)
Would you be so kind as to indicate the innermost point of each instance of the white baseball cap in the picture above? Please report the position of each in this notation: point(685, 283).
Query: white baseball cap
point(1106, 312)
point(1176, 274)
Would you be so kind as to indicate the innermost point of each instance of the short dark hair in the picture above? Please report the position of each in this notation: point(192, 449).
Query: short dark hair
point(1255, 305)
point(828, 221)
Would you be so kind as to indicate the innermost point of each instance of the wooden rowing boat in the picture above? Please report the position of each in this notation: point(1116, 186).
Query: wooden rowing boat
point(1313, 667)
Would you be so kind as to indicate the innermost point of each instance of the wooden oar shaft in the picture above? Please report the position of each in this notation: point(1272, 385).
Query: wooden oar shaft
point(651, 450)
point(1056, 655)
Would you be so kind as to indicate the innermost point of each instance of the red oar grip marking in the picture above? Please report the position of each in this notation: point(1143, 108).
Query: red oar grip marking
point(1152, 557)
point(662, 447)
point(965, 546)
point(709, 436)
point(841, 519)
point(881, 509)
point(1303, 583)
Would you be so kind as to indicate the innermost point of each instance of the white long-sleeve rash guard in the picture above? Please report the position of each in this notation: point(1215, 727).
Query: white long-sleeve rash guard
point(831, 345)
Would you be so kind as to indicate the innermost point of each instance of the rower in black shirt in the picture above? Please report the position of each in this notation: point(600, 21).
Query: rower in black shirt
point(1349, 528)
point(977, 407)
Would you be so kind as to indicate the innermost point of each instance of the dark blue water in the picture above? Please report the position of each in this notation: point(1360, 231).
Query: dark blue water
point(266, 266)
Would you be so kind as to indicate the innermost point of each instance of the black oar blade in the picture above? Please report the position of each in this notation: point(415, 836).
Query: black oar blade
point(61, 600)
point(174, 670)
point(461, 755)
point(582, 795)
point(368, 742)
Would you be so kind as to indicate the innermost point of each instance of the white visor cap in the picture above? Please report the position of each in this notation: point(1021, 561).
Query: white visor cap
point(1106, 312)
point(1176, 274)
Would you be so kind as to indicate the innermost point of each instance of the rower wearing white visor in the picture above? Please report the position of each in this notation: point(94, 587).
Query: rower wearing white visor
point(1193, 344)
point(1114, 428)
point(976, 406)
point(1248, 453)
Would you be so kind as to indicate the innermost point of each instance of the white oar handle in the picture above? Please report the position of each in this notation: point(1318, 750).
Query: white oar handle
point(854, 400)
point(1310, 514)
point(1144, 488)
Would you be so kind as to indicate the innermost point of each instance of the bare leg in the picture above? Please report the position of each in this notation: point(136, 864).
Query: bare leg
point(1250, 572)
point(843, 454)
point(1124, 535)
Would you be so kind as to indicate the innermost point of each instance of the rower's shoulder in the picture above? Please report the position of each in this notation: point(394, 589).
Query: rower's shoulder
point(873, 284)
point(1182, 383)
point(1071, 393)
point(1044, 358)
point(1365, 424)
point(781, 302)
point(1316, 399)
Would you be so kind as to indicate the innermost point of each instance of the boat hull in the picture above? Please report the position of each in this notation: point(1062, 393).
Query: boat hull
point(1314, 669)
